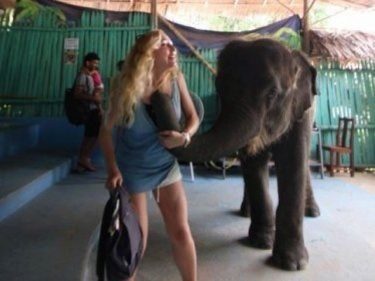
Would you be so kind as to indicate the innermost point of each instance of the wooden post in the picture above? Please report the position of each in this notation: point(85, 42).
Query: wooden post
point(305, 28)
point(154, 17)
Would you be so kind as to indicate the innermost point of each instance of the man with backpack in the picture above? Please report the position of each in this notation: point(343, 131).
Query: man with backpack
point(84, 89)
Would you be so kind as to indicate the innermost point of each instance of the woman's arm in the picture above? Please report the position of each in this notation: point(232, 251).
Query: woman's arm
point(114, 177)
point(191, 116)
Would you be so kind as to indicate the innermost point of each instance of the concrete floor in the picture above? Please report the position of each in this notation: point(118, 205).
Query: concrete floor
point(365, 181)
point(341, 242)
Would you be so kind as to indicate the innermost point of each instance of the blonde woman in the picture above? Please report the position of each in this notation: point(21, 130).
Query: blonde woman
point(140, 161)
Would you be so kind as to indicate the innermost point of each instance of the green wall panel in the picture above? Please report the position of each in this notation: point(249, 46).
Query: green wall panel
point(34, 76)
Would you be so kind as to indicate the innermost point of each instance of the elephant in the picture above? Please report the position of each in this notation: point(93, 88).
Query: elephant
point(266, 92)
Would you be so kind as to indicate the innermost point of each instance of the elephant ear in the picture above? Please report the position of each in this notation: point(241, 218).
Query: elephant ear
point(304, 85)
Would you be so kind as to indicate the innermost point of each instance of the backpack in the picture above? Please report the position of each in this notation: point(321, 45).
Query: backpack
point(76, 110)
point(121, 241)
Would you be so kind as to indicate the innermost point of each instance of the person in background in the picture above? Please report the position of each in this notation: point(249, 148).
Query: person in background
point(98, 87)
point(115, 81)
point(85, 89)
point(119, 65)
point(97, 80)
point(141, 162)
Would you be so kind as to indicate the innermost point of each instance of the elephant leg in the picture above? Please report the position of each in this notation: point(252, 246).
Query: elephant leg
point(255, 173)
point(245, 205)
point(311, 207)
point(290, 154)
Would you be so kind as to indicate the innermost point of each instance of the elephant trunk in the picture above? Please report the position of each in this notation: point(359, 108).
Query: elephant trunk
point(229, 133)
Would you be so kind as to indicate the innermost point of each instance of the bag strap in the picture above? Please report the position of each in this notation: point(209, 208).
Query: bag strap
point(75, 83)
point(87, 84)
point(179, 90)
point(197, 102)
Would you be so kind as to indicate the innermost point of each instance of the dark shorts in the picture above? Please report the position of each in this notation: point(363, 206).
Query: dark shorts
point(92, 125)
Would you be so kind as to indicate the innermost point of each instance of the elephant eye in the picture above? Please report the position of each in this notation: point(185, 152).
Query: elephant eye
point(272, 93)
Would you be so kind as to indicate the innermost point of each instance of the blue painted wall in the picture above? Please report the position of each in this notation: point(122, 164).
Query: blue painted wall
point(54, 133)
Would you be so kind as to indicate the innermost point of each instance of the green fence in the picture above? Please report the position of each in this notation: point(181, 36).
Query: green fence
point(33, 75)
point(33, 72)
point(348, 93)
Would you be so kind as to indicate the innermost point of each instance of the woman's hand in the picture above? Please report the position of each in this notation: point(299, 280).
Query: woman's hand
point(172, 139)
point(114, 179)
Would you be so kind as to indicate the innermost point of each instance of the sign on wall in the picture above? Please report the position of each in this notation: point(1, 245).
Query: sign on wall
point(70, 50)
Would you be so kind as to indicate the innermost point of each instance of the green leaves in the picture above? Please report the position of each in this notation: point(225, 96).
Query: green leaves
point(26, 9)
point(30, 9)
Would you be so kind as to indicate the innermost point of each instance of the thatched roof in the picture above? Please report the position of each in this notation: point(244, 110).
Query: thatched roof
point(346, 47)
point(7, 3)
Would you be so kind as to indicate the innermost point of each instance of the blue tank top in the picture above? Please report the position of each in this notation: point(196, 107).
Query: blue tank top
point(142, 160)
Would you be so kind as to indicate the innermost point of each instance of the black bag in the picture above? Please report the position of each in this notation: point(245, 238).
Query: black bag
point(121, 242)
point(76, 110)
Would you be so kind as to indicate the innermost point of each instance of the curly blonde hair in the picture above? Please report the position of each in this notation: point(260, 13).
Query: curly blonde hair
point(136, 77)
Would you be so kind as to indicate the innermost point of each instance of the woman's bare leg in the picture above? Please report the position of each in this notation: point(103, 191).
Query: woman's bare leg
point(139, 202)
point(173, 206)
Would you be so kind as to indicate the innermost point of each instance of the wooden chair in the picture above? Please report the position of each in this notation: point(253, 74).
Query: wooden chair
point(344, 145)
point(318, 162)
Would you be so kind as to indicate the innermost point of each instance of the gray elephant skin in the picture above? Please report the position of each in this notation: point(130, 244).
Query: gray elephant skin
point(266, 94)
